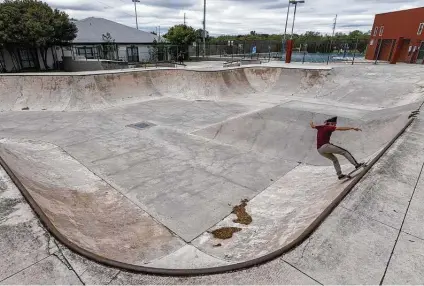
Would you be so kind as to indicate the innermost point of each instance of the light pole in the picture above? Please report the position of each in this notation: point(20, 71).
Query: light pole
point(135, 9)
point(287, 19)
point(295, 2)
point(285, 32)
point(285, 29)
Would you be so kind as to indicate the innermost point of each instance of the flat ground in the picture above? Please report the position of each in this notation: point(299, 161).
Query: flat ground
point(150, 194)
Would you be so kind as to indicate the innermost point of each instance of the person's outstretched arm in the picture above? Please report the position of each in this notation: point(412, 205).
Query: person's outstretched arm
point(348, 128)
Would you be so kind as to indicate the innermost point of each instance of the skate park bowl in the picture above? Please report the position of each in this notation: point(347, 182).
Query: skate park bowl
point(185, 171)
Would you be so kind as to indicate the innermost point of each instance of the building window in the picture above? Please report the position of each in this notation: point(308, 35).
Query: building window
point(375, 31)
point(372, 42)
point(87, 52)
point(420, 29)
point(27, 58)
point(132, 54)
point(381, 31)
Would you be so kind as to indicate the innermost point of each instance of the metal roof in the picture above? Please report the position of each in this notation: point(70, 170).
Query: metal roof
point(90, 30)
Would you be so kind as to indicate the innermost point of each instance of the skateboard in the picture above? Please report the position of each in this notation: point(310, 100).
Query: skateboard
point(355, 172)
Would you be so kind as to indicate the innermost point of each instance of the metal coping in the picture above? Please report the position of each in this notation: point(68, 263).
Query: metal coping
point(204, 271)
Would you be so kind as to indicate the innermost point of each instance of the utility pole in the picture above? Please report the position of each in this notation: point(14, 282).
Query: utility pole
point(295, 2)
point(334, 25)
point(285, 31)
point(294, 17)
point(331, 41)
point(135, 9)
point(287, 19)
point(204, 28)
point(184, 19)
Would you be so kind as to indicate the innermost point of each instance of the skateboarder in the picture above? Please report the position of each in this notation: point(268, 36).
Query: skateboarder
point(326, 149)
point(180, 58)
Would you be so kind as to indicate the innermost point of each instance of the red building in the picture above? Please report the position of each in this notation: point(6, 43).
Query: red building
point(398, 37)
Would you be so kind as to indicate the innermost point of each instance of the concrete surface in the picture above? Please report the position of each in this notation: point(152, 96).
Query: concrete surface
point(209, 174)
point(359, 243)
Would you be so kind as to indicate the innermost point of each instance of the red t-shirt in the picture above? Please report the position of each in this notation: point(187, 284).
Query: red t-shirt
point(324, 134)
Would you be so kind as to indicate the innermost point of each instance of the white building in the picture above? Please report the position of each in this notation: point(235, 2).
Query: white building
point(132, 45)
point(127, 44)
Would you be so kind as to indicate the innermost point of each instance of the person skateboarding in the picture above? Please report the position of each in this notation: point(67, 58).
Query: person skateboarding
point(327, 150)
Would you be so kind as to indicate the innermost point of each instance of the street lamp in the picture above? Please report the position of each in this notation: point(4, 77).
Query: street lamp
point(285, 31)
point(135, 8)
point(287, 19)
point(295, 2)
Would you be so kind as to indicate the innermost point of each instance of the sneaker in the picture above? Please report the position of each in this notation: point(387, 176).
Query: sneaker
point(359, 165)
point(342, 176)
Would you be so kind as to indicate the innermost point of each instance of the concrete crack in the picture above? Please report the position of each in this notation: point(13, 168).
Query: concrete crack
point(114, 277)
point(303, 251)
point(400, 229)
point(62, 258)
point(302, 272)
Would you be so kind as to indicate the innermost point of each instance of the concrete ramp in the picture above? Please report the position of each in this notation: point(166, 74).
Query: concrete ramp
point(99, 218)
point(285, 133)
point(136, 169)
point(91, 91)
point(83, 208)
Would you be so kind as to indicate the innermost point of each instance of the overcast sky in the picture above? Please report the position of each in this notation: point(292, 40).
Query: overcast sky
point(237, 16)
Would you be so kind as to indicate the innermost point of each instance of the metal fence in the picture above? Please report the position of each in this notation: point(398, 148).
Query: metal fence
point(237, 49)
point(132, 54)
point(326, 51)
point(352, 51)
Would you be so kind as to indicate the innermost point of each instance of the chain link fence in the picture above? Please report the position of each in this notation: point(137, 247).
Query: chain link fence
point(351, 51)
point(326, 51)
point(237, 50)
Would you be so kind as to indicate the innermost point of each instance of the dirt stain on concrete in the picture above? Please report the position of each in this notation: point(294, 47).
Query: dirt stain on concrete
point(242, 218)
point(225, 232)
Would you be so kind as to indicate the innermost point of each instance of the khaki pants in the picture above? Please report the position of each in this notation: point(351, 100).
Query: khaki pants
point(328, 151)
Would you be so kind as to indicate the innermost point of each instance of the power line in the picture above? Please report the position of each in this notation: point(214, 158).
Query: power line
point(115, 7)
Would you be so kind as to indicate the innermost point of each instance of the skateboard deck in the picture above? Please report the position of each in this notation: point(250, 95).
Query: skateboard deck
point(355, 172)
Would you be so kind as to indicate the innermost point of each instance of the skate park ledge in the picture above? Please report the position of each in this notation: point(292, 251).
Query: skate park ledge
point(129, 70)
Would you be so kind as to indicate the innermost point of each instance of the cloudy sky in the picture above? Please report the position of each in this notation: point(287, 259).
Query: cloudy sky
point(237, 16)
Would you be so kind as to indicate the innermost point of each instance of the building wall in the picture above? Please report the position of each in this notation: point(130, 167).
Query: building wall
point(397, 24)
point(386, 49)
point(143, 53)
point(404, 50)
point(54, 55)
point(71, 65)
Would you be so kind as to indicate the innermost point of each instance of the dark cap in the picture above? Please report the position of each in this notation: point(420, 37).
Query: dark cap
point(334, 119)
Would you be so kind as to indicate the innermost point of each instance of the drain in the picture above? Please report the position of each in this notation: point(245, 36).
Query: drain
point(142, 125)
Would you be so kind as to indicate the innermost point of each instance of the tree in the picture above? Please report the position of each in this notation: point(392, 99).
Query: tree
point(34, 24)
point(108, 46)
point(181, 35)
